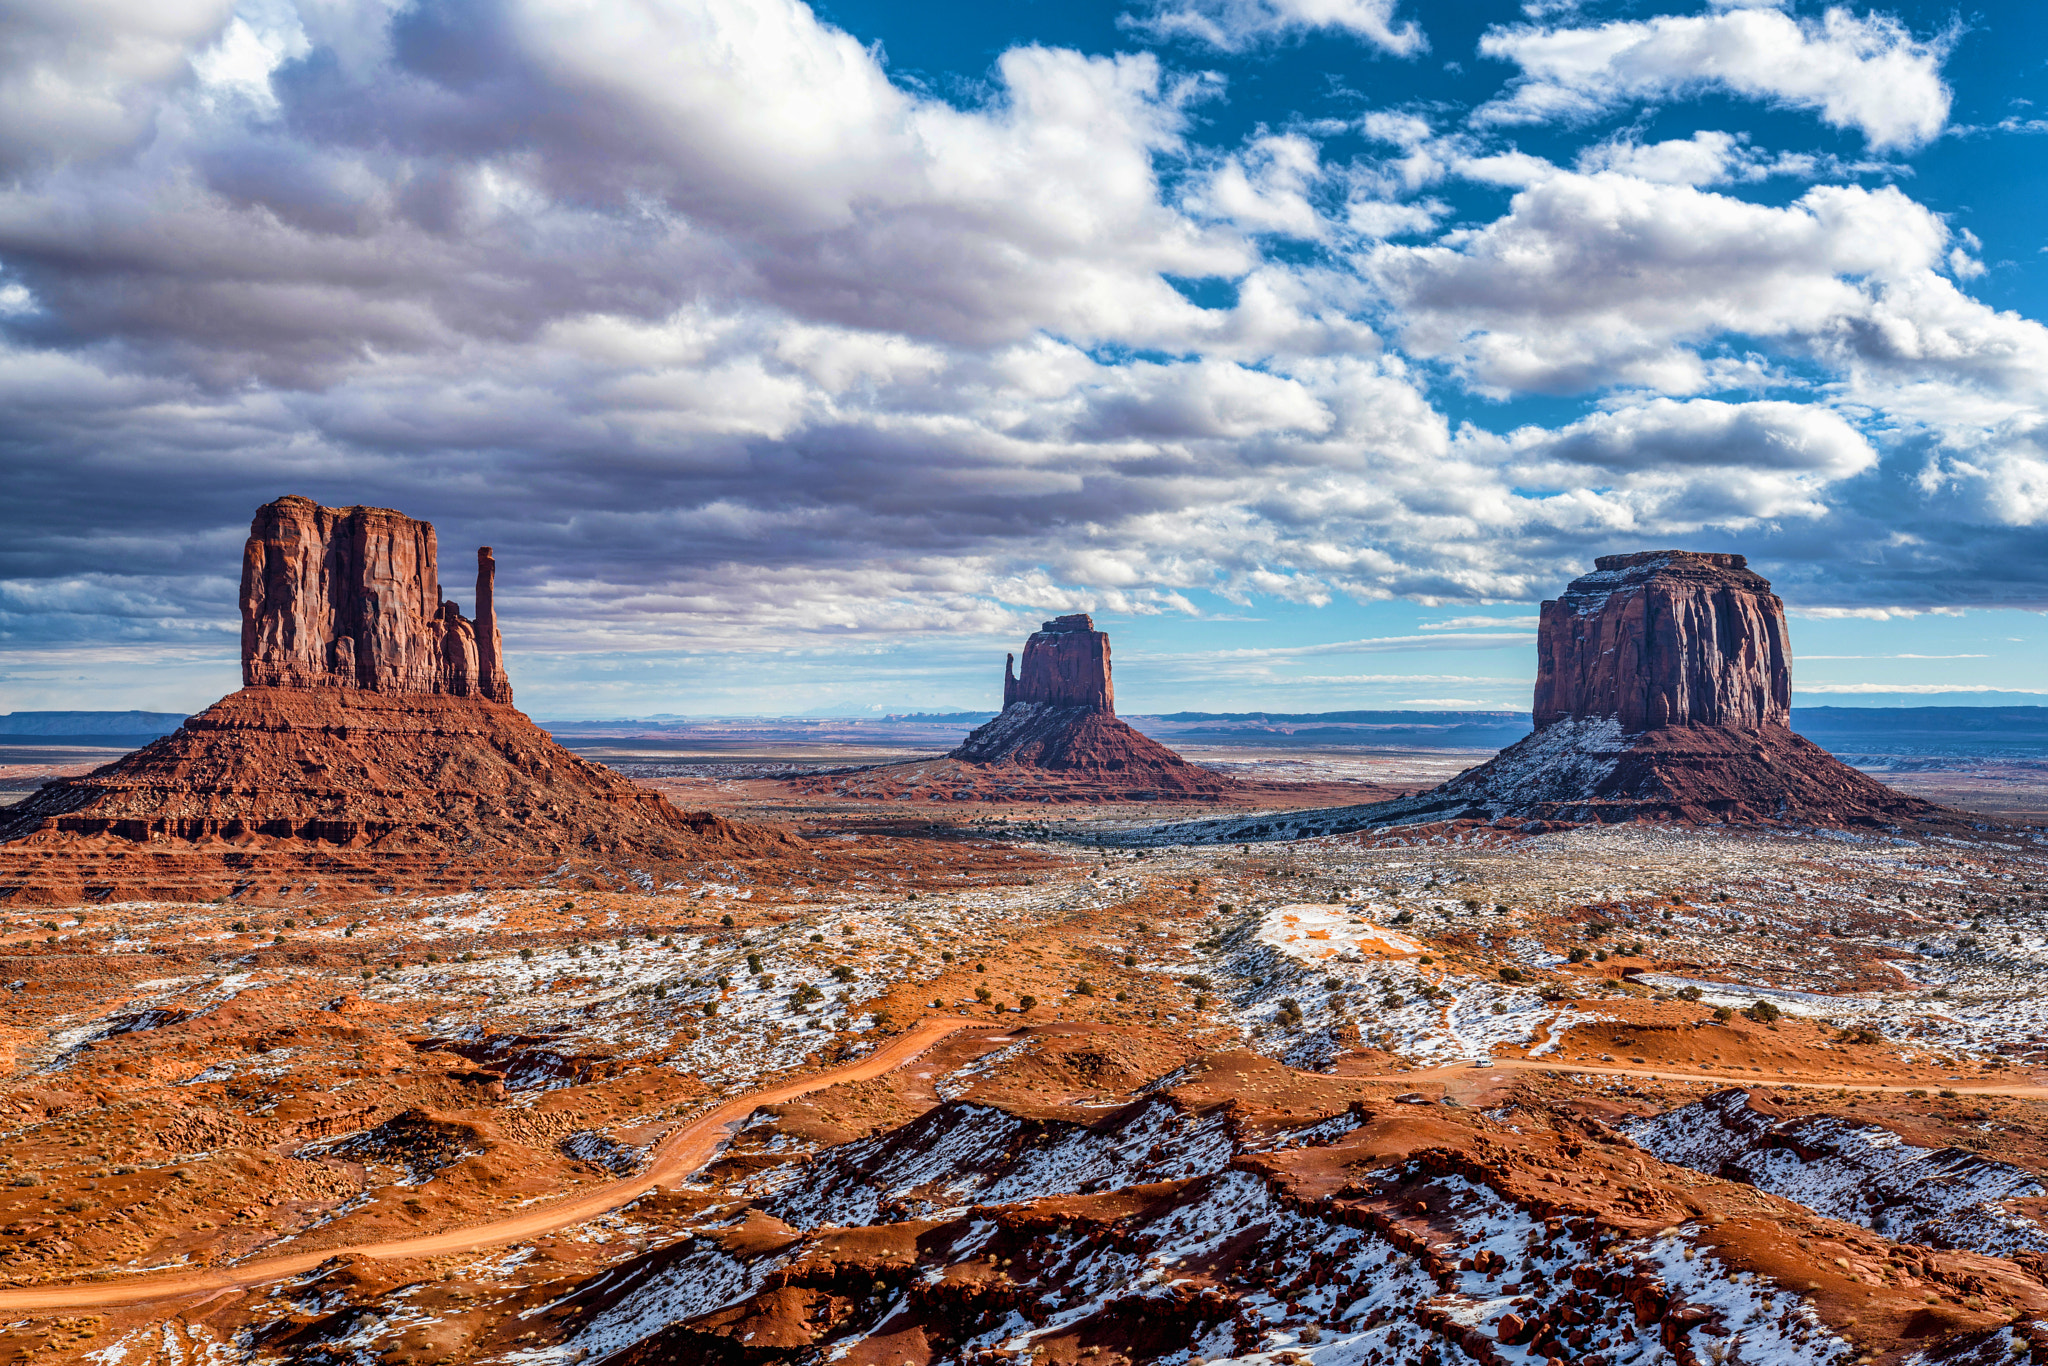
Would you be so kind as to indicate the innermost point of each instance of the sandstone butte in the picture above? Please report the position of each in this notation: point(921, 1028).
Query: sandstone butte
point(1059, 718)
point(374, 747)
point(1664, 691)
point(1057, 739)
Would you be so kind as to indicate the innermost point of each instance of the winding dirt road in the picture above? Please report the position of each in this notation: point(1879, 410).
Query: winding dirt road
point(678, 1155)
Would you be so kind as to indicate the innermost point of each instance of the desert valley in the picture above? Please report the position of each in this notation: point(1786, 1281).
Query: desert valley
point(359, 1019)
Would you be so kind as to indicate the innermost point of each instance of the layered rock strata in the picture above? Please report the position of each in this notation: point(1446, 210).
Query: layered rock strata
point(351, 598)
point(375, 747)
point(1059, 719)
point(1066, 664)
point(1663, 692)
point(1665, 638)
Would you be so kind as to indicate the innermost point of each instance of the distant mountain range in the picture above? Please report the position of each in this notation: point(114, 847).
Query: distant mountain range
point(2015, 732)
point(108, 729)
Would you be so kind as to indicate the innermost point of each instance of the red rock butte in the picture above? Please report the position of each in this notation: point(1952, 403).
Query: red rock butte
point(351, 598)
point(1664, 691)
point(1059, 718)
point(374, 748)
point(1057, 739)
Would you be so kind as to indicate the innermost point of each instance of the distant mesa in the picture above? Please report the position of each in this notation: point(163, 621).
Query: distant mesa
point(1057, 739)
point(1663, 692)
point(1059, 716)
point(374, 746)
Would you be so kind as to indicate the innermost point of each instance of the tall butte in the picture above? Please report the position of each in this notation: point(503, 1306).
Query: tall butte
point(1059, 728)
point(1664, 692)
point(374, 746)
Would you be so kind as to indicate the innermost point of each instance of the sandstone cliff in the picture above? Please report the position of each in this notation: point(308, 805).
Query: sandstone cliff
point(1664, 638)
point(1066, 664)
point(375, 746)
point(1663, 692)
point(351, 598)
point(1059, 720)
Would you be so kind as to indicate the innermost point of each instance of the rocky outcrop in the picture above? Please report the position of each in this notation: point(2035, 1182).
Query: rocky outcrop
point(1663, 692)
point(374, 747)
point(1059, 720)
point(1066, 664)
point(1665, 638)
point(351, 598)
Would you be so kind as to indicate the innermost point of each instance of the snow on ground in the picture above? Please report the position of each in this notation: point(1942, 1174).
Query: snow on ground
point(1862, 1173)
point(1315, 932)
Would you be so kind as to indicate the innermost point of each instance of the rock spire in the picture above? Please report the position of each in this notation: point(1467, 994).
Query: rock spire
point(351, 598)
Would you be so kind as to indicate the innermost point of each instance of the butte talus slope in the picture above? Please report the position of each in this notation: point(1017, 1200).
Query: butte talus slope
point(375, 745)
point(1663, 693)
point(1057, 739)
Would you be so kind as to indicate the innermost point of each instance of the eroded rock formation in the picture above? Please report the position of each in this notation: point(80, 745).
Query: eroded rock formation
point(1059, 721)
point(1066, 664)
point(351, 598)
point(1663, 692)
point(375, 744)
point(1665, 638)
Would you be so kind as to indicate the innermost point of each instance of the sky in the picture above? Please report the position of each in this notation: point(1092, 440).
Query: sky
point(802, 359)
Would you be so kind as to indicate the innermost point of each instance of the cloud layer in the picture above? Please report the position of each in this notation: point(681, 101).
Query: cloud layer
point(730, 341)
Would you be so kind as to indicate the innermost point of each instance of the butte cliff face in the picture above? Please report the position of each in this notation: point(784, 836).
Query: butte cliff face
point(1663, 693)
point(1665, 638)
point(1066, 664)
point(1059, 728)
point(351, 598)
point(375, 746)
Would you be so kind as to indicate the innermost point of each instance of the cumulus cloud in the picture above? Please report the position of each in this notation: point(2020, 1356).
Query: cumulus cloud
point(1703, 461)
point(1234, 25)
point(1608, 278)
point(730, 343)
point(81, 79)
point(1864, 72)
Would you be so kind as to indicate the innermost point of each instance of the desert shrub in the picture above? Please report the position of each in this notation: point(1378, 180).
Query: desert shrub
point(1763, 1012)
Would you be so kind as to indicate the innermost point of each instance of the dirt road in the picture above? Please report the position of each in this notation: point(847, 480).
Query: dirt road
point(678, 1155)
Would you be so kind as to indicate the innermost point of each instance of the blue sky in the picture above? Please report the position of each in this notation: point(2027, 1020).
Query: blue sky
point(803, 359)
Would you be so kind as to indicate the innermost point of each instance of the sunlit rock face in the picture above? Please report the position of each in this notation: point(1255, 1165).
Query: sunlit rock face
point(374, 746)
point(1059, 717)
point(1066, 664)
point(1665, 638)
point(351, 598)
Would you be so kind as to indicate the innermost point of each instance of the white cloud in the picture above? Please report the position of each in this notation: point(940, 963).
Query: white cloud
point(1912, 688)
point(81, 79)
point(1606, 279)
point(731, 343)
point(1708, 157)
point(1235, 25)
point(1868, 73)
